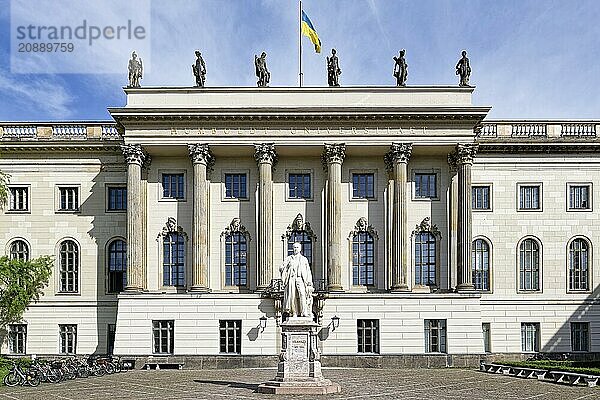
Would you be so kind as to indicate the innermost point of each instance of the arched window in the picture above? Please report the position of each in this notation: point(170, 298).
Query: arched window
point(305, 240)
point(529, 265)
point(425, 259)
point(117, 266)
point(236, 262)
point(69, 267)
point(363, 259)
point(480, 264)
point(579, 256)
point(19, 250)
point(173, 259)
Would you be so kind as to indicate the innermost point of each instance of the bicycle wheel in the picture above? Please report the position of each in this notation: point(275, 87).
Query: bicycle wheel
point(53, 376)
point(12, 379)
point(110, 368)
point(32, 378)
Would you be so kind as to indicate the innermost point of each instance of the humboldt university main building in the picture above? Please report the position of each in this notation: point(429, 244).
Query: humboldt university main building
point(434, 236)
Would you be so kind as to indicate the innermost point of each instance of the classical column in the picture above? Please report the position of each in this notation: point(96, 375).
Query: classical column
point(333, 157)
point(265, 157)
point(453, 221)
point(134, 156)
point(202, 159)
point(464, 157)
point(398, 157)
point(144, 207)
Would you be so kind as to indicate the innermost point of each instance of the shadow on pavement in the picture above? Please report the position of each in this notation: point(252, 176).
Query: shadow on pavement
point(240, 385)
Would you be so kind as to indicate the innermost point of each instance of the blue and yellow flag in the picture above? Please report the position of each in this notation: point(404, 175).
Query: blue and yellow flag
point(309, 31)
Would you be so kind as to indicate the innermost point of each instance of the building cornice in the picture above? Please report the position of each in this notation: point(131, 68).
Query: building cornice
point(59, 147)
point(543, 148)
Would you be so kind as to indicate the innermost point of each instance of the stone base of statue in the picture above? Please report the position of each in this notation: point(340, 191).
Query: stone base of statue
point(299, 368)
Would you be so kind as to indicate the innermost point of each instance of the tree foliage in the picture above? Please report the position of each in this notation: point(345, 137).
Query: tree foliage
point(21, 283)
point(4, 177)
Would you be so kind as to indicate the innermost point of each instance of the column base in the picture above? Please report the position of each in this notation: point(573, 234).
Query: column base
point(335, 288)
point(400, 288)
point(465, 287)
point(133, 289)
point(199, 289)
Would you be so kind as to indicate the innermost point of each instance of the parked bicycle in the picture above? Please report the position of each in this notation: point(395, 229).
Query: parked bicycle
point(19, 376)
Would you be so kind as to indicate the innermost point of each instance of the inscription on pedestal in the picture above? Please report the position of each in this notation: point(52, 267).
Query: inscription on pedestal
point(298, 354)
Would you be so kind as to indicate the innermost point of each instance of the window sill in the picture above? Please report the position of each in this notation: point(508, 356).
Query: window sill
point(363, 199)
point(579, 210)
point(529, 291)
point(571, 291)
point(67, 294)
point(299, 199)
point(482, 210)
point(534, 210)
point(172, 199)
point(425, 199)
point(227, 199)
point(68, 211)
point(116, 211)
point(17, 212)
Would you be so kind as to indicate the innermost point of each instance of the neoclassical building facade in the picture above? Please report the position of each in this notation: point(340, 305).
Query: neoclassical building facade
point(430, 231)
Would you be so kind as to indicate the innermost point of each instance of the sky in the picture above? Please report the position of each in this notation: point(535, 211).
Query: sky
point(530, 59)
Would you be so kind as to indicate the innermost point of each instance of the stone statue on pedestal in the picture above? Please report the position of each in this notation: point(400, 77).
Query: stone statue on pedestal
point(333, 69)
point(400, 69)
point(262, 73)
point(135, 70)
point(463, 69)
point(199, 69)
point(297, 283)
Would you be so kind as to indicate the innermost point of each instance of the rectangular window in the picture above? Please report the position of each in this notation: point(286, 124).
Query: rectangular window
point(425, 186)
point(481, 198)
point(363, 186)
point(368, 335)
point(19, 198)
point(487, 337)
point(173, 186)
point(17, 338)
point(299, 186)
point(68, 339)
point(230, 336)
point(163, 336)
point(110, 338)
point(530, 337)
point(579, 197)
point(69, 199)
point(435, 335)
point(117, 198)
point(530, 197)
point(580, 336)
point(235, 186)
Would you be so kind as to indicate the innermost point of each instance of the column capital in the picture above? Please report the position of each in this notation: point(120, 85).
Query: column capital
point(333, 153)
point(133, 153)
point(264, 153)
point(201, 154)
point(399, 153)
point(465, 152)
point(453, 161)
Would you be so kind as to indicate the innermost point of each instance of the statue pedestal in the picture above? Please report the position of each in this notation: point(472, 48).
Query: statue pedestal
point(299, 368)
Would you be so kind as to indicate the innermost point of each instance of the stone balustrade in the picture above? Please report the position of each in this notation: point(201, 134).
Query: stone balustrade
point(537, 130)
point(59, 131)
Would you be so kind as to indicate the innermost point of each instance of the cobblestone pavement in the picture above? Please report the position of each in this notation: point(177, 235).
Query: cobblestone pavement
point(356, 384)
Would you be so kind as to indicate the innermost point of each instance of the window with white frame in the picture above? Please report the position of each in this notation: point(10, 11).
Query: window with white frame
point(425, 185)
point(435, 335)
point(529, 265)
point(68, 267)
point(480, 264)
point(230, 336)
point(68, 339)
point(173, 259)
point(18, 198)
point(17, 338)
point(116, 198)
point(580, 336)
point(530, 337)
point(173, 186)
point(19, 250)
point(305, 239)
point(236, 186)
point(368, 335)
point(481, 197)
point(530, 197)
point(579, 259)
point(236, 259)
point(299, 185)
point(580, 197)
point(425, 259)
point(117, 266)
point(363, 259)
point(68, 198)
point(363, 185)
point(163, 336)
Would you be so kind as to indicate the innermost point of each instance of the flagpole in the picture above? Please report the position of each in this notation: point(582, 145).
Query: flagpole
point(300, 43)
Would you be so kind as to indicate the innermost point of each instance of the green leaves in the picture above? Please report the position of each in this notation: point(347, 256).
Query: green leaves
point(4, 178)
point(21, 283)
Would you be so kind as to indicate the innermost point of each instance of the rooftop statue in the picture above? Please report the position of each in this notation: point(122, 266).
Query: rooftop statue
point(262, 73)
point(333, 69)
point(463, 69)
point(400, 69)
point(135, 69)
point(199, 69)
point(297, 284)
